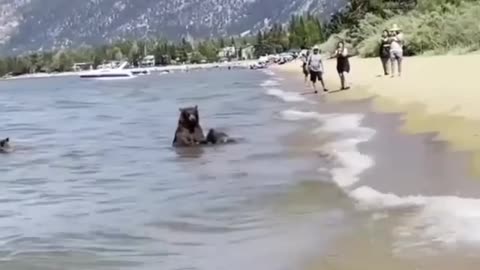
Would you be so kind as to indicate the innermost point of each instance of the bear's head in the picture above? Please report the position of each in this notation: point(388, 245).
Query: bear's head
point(5, 144)
point(189, 118)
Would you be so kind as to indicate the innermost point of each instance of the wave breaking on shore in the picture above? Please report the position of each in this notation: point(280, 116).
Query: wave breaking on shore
point(446, 220)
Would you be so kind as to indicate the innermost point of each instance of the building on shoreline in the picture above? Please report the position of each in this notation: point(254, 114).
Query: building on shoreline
point(148, 61)
point(82, 66)
point(227, 52)
point(247, 52)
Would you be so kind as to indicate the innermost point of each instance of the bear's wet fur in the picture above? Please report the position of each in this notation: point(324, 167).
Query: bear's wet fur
point(190, 133)
point(215, 137)
point(5, 146)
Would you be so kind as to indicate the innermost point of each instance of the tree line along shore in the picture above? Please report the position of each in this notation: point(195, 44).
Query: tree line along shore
point(430, 26)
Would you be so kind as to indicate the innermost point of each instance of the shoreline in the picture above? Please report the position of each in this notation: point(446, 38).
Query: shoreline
point(242, 64)
point(440, 101)
point(415, 206)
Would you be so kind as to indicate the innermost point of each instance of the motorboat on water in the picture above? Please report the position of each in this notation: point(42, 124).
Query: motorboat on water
point(116, 72)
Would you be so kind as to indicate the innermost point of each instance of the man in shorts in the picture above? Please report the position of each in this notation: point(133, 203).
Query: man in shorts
point(315, 66)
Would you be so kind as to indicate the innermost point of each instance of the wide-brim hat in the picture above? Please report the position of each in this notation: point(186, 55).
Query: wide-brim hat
point(395, 27)
point(315, 48)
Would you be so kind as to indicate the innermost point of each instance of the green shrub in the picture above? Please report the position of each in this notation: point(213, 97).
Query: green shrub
point(433, 27)
point(330, 45)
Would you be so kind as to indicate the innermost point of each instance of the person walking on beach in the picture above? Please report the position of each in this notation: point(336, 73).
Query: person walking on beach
point(315, 67)
point(396, 49)
point(384, 51)
point(305, 71)
point(343, 65)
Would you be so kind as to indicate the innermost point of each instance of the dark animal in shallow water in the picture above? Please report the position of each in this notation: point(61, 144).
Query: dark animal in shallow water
point(215, 137)
point(5, 146)
point(190, 133)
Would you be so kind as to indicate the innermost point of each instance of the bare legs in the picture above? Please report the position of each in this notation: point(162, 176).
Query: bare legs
point(323, 85)
point(314, 78)
point(385, 65)
point(399, 63)
point(343, 79)
point(398, 57)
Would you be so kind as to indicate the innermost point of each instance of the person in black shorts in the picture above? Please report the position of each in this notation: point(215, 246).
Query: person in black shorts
point(343, 65)
point(315, 66)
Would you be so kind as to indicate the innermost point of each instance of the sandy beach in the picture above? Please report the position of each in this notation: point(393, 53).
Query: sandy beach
point(409, 156)
point(436, 94)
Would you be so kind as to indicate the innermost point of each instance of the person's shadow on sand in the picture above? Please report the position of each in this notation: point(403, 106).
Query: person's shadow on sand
point(338, 90)
point(328, 92)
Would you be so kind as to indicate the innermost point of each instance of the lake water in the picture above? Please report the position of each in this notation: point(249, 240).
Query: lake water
point(95, 184)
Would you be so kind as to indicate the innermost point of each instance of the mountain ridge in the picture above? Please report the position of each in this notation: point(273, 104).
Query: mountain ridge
point(31, 25)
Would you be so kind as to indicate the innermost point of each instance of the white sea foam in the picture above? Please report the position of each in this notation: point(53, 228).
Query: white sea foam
point(294, 115)
point(448, 220)
point(285, 96)
point(345, 151)
point(268, 72)
point(368, 198)
point(270, 83)
point(353, 162)
point(441, 219)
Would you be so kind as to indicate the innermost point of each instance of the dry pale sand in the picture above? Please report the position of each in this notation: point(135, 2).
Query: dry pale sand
point(437, 94)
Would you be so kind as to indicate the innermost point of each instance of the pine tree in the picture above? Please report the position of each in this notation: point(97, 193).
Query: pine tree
point(221, 42)
point(3, 67)
point(259, 38)
point(134, 54)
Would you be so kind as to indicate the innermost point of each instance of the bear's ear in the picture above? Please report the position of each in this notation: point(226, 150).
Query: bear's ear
point(7, 139)
point(196, 107)
point(180, 109)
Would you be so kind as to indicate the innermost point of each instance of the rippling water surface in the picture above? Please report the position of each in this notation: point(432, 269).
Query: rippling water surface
point(95, 184)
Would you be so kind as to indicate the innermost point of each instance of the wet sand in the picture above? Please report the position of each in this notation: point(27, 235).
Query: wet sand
point(416, 159)
point(436, 94)
point(422, 163)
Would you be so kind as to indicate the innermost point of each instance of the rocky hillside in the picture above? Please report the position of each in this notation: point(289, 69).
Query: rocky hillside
point(46, 24)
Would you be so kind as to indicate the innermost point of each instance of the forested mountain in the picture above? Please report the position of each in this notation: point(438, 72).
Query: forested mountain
point(52, 24)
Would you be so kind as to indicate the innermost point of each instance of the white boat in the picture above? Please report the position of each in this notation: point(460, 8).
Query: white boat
point(118, 72)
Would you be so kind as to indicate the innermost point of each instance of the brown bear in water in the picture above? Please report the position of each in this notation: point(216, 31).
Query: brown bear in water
point(190, 133)
point(5, 146)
